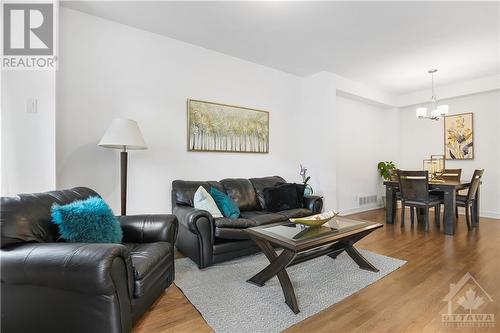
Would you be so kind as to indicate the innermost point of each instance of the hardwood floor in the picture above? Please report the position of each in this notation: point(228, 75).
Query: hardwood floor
point(408, 300)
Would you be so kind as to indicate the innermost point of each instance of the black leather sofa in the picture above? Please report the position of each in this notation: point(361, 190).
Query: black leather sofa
point(207, 240)
point(52, 286)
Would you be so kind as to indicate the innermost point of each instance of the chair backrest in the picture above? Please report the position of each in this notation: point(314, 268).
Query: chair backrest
point(452, 174)
point(27, 217)
point(474, 183)
point(414, 185)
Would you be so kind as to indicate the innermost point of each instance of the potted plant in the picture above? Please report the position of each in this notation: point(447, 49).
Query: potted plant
point(385, 170)
point(308, 190)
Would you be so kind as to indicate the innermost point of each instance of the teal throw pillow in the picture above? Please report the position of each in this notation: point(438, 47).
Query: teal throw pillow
point(87, 221)
point(226, 205)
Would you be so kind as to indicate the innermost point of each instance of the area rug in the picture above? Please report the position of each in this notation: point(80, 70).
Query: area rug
point(230, 304)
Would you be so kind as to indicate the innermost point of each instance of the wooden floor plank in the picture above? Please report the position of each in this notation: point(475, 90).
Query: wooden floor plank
point(407, 300)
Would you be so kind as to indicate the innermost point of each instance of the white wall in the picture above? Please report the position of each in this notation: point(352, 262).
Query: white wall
point(314, 132)
point(366, 135)
point(421, 138)
point(28, 139)
point(109, 70)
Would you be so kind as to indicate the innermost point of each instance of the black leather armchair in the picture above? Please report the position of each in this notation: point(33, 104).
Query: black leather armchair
point(208, 240)
point(52, 286)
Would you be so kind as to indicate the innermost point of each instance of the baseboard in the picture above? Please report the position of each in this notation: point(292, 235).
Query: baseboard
point(489, 214)
point(360, 209)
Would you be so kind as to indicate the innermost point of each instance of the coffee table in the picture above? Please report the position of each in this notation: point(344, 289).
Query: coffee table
point(301, 243)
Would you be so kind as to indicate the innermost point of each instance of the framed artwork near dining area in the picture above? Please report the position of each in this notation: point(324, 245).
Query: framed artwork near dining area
point(459, 136)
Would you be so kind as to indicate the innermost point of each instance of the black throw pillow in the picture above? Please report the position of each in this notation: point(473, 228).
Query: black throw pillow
point(300, 194)
point(281, 197)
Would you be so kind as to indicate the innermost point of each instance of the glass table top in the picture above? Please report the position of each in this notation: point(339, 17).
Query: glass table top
point(298, 232)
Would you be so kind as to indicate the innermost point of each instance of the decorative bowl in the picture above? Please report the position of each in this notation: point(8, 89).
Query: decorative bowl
point(315, 220)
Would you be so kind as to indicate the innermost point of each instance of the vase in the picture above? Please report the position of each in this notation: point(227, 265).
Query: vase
point(308, 191)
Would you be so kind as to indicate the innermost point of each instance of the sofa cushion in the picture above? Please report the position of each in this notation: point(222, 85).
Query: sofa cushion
point(263, 217)
point(203, 200)
point(259, 184)
point(240, 223)
point(226, 228)
point(183, 191)
point(242, 192)
point(226, 205)
point(300, 188)
point(297, 212)
point(145, 256)
point(281, 197)
point(231, 233)
point(150, 261)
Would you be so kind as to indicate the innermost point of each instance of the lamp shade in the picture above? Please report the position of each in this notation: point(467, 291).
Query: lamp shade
point(421, 112)
point(123, 134)
point(442, 110)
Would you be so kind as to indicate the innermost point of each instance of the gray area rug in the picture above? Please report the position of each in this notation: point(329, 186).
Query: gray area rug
point(230, 304)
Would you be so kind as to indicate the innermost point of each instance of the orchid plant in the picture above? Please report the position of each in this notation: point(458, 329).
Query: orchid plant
point(305, 179)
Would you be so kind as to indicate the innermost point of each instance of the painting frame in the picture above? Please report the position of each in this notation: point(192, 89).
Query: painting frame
point(447, 126)
point(222, 107)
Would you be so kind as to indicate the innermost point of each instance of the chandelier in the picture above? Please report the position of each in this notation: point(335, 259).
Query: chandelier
point(433, 111)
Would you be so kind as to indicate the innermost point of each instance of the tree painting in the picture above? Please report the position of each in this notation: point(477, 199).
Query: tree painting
point(225, 128)
point(458, 136)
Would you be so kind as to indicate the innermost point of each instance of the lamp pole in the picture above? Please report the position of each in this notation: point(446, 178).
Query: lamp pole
point(123, 174)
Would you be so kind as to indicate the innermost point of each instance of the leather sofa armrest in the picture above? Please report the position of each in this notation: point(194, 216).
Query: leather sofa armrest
point(82, 267)
point(149, 228)
point(314, 203)
point(196, 234)
point(189, 217)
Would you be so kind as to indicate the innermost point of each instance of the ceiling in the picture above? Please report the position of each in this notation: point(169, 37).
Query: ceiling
point(388, 45)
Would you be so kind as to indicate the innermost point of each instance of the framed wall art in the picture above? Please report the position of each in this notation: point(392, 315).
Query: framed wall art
point(459, 137)
point(219, 127)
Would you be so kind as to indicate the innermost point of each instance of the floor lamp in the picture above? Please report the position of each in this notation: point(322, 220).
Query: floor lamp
point(123, 134)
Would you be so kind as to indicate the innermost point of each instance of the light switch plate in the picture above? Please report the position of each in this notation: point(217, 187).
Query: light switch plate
point(31, 105)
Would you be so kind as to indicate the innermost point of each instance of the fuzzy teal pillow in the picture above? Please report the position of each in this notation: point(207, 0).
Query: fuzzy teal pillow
point(226, 205)
point(87, 221)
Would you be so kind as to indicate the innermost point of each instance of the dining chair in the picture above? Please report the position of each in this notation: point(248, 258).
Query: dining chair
point(414, 187)
point(466, 201)
point(451, 175)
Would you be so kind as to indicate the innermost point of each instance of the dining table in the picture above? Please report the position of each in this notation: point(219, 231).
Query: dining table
point(448, 188)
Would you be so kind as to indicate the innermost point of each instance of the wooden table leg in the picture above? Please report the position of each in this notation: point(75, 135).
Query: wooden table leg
point(391, 203)
point(348, 247)
point(475, 209)
point(359, 259)
point(449, 211)
point(277, 267)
